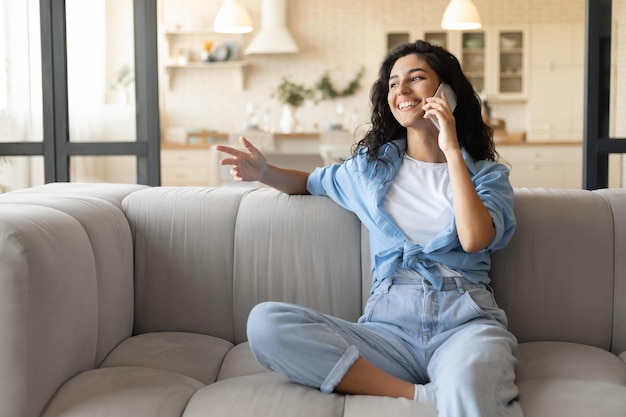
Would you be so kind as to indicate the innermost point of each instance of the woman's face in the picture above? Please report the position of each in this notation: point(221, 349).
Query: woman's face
point(411, 81)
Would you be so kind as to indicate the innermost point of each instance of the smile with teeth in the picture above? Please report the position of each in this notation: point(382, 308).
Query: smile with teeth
point(407, 104)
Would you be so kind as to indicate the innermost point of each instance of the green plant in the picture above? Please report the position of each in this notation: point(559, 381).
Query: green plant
point(293, 94)
point(124, 77)
point(328, 91)
point(4, 160)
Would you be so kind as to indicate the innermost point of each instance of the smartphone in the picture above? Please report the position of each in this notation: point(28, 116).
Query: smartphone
point(450, 96)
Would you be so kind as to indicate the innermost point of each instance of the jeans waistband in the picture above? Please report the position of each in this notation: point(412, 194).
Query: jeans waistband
point(459, 284)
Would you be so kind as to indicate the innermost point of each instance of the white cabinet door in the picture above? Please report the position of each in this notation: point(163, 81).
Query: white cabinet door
point(555, 100)
point(548, 166)
point(188, 167)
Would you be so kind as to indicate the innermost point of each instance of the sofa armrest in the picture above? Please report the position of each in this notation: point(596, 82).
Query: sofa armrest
point(48, 305)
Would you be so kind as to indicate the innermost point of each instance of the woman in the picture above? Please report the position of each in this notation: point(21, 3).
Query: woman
point(436, 204)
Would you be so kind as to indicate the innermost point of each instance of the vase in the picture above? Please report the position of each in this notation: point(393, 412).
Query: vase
point(122, 96)
point(288, 120)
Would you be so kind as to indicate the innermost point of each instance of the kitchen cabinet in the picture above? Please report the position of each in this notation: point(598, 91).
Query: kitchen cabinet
point(183, 50)
point(555, 104)
point(543, 165)
point(550, 165)
point(494, 59)
point(188, 165)
point(540, 164)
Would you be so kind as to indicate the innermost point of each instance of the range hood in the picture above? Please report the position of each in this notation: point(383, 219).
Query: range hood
point(273, 37)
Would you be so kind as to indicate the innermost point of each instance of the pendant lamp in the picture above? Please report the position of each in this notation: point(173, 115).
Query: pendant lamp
point(232, 17)
point(461, 15)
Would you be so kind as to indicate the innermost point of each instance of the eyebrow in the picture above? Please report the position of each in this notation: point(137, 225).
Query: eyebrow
point(411, 71)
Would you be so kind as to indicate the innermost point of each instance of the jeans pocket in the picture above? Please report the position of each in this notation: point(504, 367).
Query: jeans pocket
point(484, 303)
point(370, 306)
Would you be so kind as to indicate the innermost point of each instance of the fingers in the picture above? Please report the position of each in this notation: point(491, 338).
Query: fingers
point(228, 161)
point(238, 152)
point(228, 150)
point(249, 146)
point(436, 107)
point(245, 163)
point(436, 103)
point(234, 172)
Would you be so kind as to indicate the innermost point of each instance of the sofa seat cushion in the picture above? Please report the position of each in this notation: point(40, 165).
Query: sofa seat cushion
point(569, 379)
point(239, 362)
point(194, 355)
point(370, 406)
point(269, 394)
point(123, 391)
point(572, 398)
point(263, 394)
point(545, 360)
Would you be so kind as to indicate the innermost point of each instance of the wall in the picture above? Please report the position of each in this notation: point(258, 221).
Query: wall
point(333, 35)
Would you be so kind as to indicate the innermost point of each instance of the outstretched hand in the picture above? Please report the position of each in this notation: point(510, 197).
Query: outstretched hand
point(246, 165)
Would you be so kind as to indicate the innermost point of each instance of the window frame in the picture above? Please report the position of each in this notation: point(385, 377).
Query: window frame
point(56, 147)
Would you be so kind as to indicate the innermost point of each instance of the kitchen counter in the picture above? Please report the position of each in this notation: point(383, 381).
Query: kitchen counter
point(533, 163)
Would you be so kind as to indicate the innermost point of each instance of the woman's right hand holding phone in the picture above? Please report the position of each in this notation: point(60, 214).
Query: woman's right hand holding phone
point(246, 165)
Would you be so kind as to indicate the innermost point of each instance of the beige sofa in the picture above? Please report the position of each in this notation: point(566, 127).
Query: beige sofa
point(124, 300)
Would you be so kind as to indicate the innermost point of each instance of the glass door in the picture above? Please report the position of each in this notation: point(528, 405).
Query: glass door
point(101, 86)
point(78, 92)
point(511, 62)
point(473, 58)
point(21, 115)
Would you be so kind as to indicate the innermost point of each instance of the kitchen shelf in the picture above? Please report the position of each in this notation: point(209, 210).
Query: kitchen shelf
point(177, 32)
point(177, 36)
point(208, 66)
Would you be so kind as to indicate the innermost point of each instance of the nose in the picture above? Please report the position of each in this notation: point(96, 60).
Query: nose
point(403, 87)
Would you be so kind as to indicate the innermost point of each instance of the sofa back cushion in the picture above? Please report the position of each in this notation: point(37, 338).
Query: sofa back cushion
point(97, 208)
point(298, 249)
point(555, 278)
point(205, 256)
point(48, 305)
point(617, 199)
point(184, 239)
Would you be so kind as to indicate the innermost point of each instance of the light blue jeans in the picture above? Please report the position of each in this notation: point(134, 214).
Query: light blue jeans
point(455, 338)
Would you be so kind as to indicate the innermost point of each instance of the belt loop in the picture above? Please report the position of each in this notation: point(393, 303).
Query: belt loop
point(459, 285)
point(386, 284)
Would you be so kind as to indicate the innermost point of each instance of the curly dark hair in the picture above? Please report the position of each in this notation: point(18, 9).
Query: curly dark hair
point(473, 134)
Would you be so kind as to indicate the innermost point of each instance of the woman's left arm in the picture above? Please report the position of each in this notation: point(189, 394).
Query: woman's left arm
point(473, 221)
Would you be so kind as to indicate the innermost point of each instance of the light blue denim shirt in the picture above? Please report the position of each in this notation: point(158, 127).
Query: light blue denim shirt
point(360, 186)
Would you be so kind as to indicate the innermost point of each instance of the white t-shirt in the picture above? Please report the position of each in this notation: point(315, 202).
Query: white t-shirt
point(420, 199)
point(420, 202)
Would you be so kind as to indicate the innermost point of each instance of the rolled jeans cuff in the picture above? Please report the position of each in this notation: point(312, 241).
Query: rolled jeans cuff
point(340, 369)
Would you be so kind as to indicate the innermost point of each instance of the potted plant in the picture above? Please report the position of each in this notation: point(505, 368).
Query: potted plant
point(291, 96)
point(3, 160)
point(327, 91)
point(124, 77)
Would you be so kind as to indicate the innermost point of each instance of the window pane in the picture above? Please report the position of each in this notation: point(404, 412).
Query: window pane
point(100, 57)
point(112, 169)
point(21, 116)
point(18, 172)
